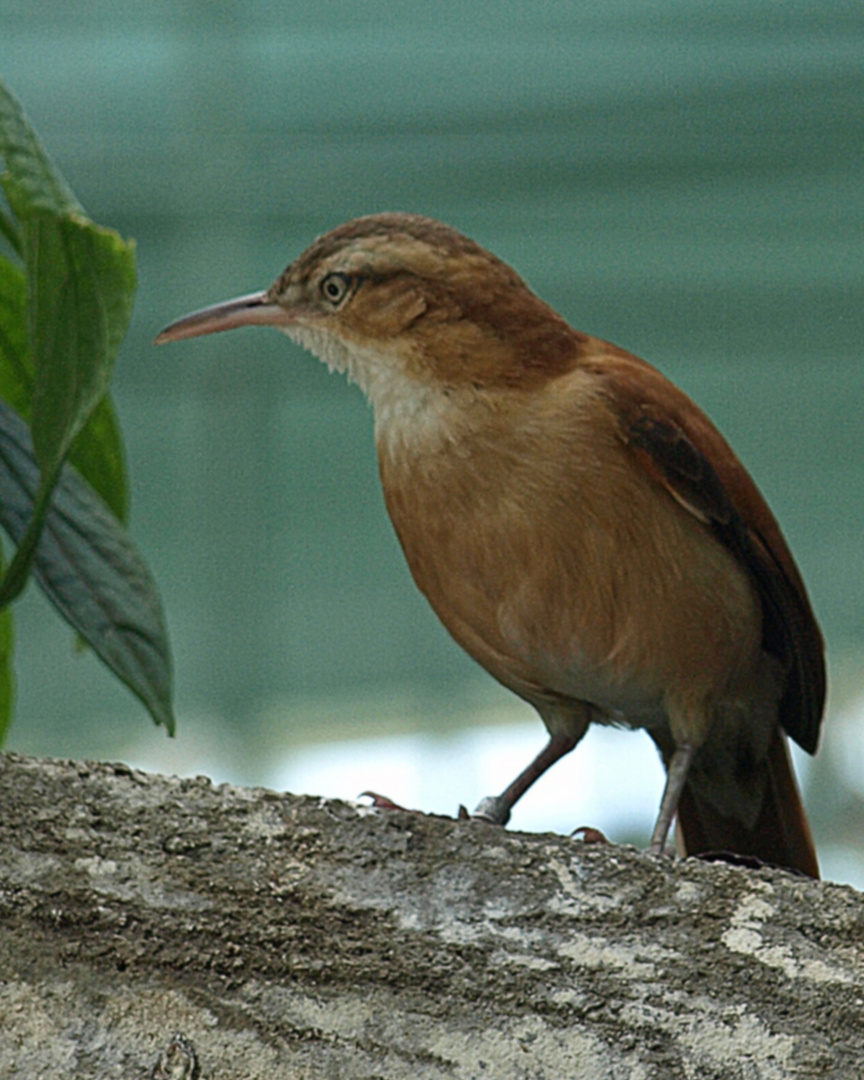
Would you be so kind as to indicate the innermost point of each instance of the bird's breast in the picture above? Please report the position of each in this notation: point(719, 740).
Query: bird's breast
point(555, 562)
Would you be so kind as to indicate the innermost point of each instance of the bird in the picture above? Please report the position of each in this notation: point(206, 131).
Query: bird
point(577, 523)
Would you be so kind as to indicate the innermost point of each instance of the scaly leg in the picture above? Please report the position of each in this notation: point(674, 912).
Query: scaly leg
point(676, 778)
point(496, 808)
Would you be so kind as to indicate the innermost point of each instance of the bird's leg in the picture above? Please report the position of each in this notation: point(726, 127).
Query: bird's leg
point(496, 808)
point(676, 778)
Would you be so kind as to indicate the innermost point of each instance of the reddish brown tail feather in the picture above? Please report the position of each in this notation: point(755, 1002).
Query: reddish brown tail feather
point(781, 834)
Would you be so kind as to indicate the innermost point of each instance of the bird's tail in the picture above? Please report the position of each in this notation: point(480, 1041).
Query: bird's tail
point(780, 835)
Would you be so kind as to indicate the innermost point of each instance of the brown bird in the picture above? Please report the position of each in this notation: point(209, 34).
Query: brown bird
point(579, 526)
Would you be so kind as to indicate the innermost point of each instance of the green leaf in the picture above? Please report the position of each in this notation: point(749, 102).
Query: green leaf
point(82, 287)
point(16, 365)
point(31, 183)
point(9, 230)
point(88, 567)
point(98, 452)
point(7, 672)
point(62, 321)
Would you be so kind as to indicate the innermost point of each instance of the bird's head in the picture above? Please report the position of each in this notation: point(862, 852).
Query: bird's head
point(391, 297)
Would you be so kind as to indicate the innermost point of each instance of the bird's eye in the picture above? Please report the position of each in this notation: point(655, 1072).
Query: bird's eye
point(335, 287)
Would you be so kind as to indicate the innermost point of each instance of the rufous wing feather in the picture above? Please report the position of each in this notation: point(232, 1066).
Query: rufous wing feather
point(679, 447)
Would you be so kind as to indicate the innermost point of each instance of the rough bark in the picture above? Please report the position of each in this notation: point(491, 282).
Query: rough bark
point(289, 937)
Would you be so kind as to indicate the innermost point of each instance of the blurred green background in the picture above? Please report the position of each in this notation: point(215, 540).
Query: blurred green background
point(682, 179)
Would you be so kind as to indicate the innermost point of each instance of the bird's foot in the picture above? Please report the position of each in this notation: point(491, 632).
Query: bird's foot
point(590, 835)
point(381, 802)
point(493, 810)
point(666, 851)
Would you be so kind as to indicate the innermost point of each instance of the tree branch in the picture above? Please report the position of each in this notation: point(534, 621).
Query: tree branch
point(290, 937)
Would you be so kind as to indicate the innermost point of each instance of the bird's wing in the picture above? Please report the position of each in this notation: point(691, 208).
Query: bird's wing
point(679, 447)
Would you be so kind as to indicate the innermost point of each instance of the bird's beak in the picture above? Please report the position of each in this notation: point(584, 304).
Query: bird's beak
point(252, 310)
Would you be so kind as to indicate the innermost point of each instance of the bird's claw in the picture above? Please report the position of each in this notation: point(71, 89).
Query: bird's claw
point(590, 835)
point(381, 802)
